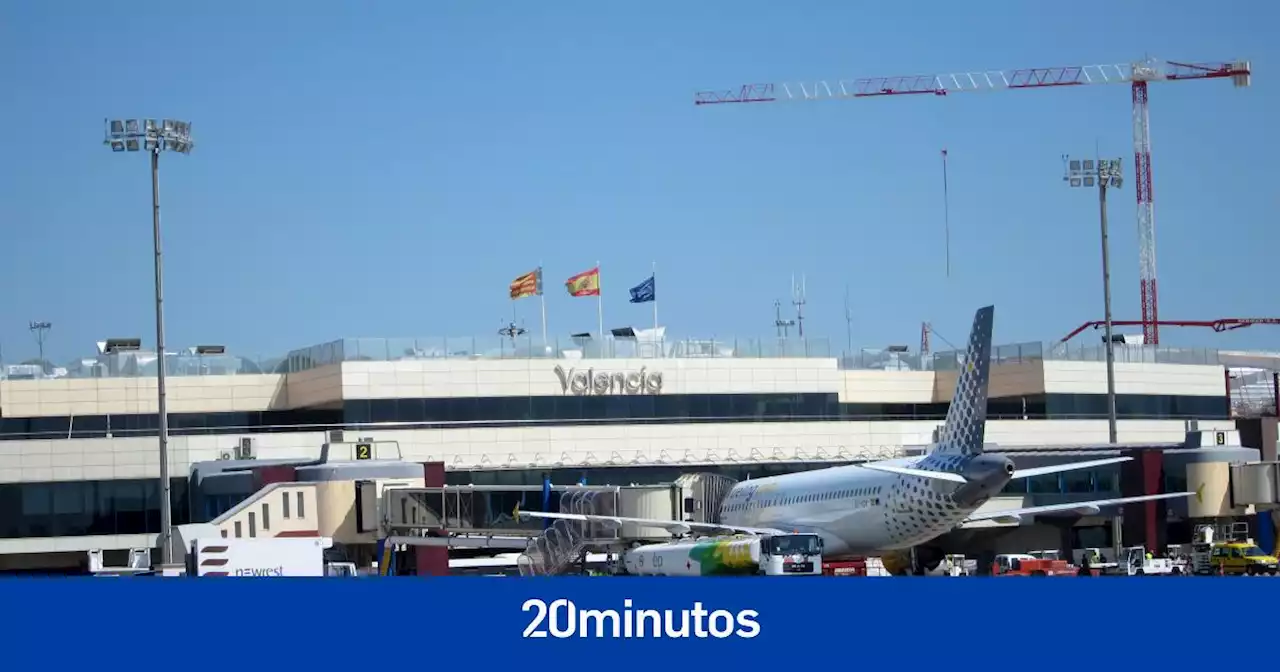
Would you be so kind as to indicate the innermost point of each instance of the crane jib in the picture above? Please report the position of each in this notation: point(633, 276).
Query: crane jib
point(1137, 75)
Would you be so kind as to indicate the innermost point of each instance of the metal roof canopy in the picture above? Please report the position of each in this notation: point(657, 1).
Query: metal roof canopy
point(1095, 449)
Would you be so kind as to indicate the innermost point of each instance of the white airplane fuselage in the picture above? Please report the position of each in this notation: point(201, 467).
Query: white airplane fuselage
point(882, 508)
point(858, 511)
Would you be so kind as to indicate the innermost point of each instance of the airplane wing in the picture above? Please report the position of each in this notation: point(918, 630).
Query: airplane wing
point(1019, 473)
point(1070, 466)
point(918, 473)
point(673, 526)
point(1083, 508)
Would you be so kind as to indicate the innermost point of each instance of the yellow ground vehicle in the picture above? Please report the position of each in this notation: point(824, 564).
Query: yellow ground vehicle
point(1242, 558)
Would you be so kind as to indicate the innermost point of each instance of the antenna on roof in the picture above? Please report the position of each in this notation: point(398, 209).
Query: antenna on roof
point(41, 330)
point(781, 324)
point(848, 320)
point(511, 331)
point(946, 212)
point(798, 300)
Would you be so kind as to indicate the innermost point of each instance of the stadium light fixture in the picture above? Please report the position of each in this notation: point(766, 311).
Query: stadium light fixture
point(156, 136)
point(1101, 174)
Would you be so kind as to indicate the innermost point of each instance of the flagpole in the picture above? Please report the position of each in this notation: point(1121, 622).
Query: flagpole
point(600, 306)
point(654, 276)
point(515, 347)
point(542, 298)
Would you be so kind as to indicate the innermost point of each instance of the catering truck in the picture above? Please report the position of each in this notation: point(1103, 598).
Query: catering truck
point(774, 555)
point(301, 556)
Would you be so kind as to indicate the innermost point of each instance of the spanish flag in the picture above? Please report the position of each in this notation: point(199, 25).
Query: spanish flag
point(529, 284)
point(586, 283)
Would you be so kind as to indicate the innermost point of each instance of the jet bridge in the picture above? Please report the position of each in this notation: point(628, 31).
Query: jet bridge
point(566, 543)
point(1231, 481)
point(474, 510)
point(458, 517)
point(1255, 484)
point(482, 516)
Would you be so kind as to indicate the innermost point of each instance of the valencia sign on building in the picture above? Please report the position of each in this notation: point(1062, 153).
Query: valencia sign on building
point(582, 382)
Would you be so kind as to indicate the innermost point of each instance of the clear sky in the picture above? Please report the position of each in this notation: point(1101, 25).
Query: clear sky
point(387, 168)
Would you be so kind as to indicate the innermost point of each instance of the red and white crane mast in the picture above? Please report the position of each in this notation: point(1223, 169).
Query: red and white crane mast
point(1142, 187)
point(1137, 75)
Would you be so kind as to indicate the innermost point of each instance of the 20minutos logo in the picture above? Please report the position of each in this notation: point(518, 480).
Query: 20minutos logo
point(563, 619)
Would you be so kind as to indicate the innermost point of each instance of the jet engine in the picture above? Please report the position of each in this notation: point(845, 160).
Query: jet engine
point(897, 563)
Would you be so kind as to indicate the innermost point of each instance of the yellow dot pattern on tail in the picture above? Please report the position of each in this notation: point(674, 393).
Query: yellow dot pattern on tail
point(964, 428)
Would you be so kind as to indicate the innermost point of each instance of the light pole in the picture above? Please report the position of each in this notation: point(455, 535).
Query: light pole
point(40, 329)
point(1101, 173)
point(153, 137)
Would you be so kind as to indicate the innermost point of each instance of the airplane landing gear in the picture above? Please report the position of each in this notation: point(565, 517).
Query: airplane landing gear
point(925, 560)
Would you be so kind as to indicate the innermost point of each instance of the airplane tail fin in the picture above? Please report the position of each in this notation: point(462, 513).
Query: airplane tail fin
point(965, 427)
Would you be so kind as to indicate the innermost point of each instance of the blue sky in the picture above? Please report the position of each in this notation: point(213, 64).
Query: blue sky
point(387, 168)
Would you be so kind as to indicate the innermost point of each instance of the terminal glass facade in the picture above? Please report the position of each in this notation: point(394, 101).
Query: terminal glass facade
point(573, 410)
point(82, 508)
point(146, 424)
point(757, 408)
point(1105, 480)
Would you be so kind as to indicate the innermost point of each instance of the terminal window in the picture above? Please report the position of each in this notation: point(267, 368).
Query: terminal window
point(571, 410)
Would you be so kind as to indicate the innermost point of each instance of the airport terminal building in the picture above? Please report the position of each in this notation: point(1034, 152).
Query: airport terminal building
point(79, 460)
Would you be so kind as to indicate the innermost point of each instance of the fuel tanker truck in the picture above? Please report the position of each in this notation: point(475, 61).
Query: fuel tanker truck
point(777, 555)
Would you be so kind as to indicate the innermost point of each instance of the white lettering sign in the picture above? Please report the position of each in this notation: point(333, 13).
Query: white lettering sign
point(260, 571)
point(581, 383)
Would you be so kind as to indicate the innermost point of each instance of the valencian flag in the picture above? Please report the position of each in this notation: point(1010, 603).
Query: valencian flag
point(586, 283)
point(644, 292)
point(529, 284)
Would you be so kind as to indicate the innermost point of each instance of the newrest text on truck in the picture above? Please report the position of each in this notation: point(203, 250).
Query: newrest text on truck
point(303, 556)
point(776, 555)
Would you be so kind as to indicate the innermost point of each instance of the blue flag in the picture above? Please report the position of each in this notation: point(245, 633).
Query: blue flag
point(644, 292)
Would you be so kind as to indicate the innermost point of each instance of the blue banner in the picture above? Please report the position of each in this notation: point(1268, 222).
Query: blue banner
point(644, 292)
point(827, 623)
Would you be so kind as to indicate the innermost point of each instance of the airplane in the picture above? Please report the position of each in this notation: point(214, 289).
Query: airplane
point(878, 508)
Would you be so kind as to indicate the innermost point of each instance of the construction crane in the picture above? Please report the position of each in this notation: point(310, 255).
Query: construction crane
point(1137, 75)
point(1220, 325)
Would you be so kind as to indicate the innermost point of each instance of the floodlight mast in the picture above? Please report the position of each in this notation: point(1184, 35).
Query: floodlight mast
point(169, 135)
point(1101, 173)
point(41, 328)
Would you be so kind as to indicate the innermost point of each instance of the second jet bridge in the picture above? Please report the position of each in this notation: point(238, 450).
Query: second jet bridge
point(474, 516)
point(484, 510)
